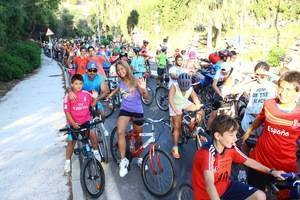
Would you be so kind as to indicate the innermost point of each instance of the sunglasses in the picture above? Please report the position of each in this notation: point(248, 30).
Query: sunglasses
point(92, 70)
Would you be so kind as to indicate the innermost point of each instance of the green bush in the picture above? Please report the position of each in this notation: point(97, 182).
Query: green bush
point(274, 56)
point(17, 59)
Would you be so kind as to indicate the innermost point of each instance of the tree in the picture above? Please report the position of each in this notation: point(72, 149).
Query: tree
point(132, 20)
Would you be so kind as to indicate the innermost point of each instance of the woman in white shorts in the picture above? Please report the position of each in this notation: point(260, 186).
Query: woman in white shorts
point(179, 95)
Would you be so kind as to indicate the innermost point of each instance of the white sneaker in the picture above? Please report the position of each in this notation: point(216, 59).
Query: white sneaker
point(97, 155)
point(105, 132)
point(139, 162)
point(67, 168)
point(123, 167)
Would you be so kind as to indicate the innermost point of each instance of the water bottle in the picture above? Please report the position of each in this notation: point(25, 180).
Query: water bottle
point(242, 177)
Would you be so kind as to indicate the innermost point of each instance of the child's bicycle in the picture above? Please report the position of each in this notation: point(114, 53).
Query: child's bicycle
point(157, 168)
point(191, 129)
point(92, 176)
point(161, 94)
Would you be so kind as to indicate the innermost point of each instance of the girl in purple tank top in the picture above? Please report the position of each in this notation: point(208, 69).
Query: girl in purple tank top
point(131, 90)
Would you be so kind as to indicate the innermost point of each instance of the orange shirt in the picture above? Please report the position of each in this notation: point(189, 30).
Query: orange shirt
point(277, 145)
point(80, 63)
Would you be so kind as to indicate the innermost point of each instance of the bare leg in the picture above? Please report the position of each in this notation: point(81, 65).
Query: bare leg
point(211, 118)
point(122, 126)
point(70, 149)
point(138, 129)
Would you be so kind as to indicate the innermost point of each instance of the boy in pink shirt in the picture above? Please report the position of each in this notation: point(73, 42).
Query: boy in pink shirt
point(78, 115)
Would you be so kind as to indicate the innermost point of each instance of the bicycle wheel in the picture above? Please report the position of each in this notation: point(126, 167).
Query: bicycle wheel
point(151, 96)
point(183, 136)
point(103, 146)
point(92, 178)
point(158, 172)
point(114, 147)
point(161, 98)
point(185, 192)
point(108, 107)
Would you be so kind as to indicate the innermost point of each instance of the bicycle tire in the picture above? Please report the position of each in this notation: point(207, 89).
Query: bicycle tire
point(151, 97)
point(185, 192)
point(161, 98)
point(99, 173)
point(114, 148)
point(171, 179)
point(183, 136)
point(103, 146)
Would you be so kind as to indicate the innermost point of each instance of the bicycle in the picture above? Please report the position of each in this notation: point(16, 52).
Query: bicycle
point(161, 94)
point(92, 177)
point(185, 192)
point(157, 167)
point(191, 129)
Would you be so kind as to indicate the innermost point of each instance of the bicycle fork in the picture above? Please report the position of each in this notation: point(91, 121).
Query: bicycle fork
point(152, 156)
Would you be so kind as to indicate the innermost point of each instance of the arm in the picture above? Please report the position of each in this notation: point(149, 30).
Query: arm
point(195, 100)
point(210, 185)
point(104, 90)
point(113, 93)
point(257, 122)
point(258, 166)
point(141, 84)
point(71, 120)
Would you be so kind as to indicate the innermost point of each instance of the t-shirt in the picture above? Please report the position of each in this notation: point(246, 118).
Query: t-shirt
point(258, 94)
point(80, 64)
point(207, 158)
point(138, 65)
point(177, 71)
point(162, 60)
point(131, 100)
point(99, 60)
point(277, 145)
point(94, 84)
point(79, 108)
point(181, 98)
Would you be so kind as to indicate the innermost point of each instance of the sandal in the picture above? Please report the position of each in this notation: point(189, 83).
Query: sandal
point(175, 154)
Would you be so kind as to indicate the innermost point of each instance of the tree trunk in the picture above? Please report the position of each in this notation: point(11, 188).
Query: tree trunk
point(209, 37)
point(276, 24)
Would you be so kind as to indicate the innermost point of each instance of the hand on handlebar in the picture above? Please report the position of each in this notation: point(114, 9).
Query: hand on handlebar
point(75, 125)
point(278, 174)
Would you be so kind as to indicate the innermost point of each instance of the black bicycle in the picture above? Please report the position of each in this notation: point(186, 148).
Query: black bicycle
point(161, 94)
point(92, 176)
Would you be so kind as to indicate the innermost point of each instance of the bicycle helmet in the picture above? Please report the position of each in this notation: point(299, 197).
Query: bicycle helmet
point(193, 54)
point(213, 58)
point(224, 54)
point(197, 78)
point(184, 81)
point(136, 49)
point(92, 65)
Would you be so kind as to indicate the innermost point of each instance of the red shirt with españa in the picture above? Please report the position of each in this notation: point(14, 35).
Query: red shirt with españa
point(277, 146)
point(207, 158)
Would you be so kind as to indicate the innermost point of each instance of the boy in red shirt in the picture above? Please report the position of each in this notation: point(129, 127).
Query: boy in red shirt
point(277, 145)
point(80, 62)
point(98, 59)
point(212, 166)
point(78, 115)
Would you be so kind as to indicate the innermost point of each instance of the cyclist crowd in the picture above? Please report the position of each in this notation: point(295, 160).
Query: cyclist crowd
point(262, 134)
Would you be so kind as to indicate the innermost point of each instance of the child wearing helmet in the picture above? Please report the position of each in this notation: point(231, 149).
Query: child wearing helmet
point(179, 95)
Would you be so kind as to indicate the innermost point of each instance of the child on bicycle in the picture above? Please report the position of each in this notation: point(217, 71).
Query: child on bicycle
point(212, 166)
point(138, 63)
point(161, 60)
point(78, 115)
point(260, 89)
point(131, 90)
point(277, 145)
point(179, 95)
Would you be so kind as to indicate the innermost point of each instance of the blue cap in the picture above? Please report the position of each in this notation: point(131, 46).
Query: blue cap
point(92, 65)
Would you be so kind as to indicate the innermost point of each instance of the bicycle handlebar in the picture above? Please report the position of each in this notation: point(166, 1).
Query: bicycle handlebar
point(80, 129)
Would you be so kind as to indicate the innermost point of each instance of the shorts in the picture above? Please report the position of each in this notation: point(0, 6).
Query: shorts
point(74, 136)
point(238, 191)
point(132, 115)
point(160, 71)
point(182, 107)
point(258, 179)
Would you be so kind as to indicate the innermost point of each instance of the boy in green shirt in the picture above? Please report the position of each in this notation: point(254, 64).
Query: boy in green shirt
point(161, 60)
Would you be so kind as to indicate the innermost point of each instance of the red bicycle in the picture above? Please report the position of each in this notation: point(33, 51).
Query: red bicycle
point(157, 167)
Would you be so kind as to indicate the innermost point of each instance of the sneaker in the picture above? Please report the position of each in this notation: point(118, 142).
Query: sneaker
point(105, 132)
point(124, 167)
point(139, 162)
point(67, 168)
point(97, 155)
